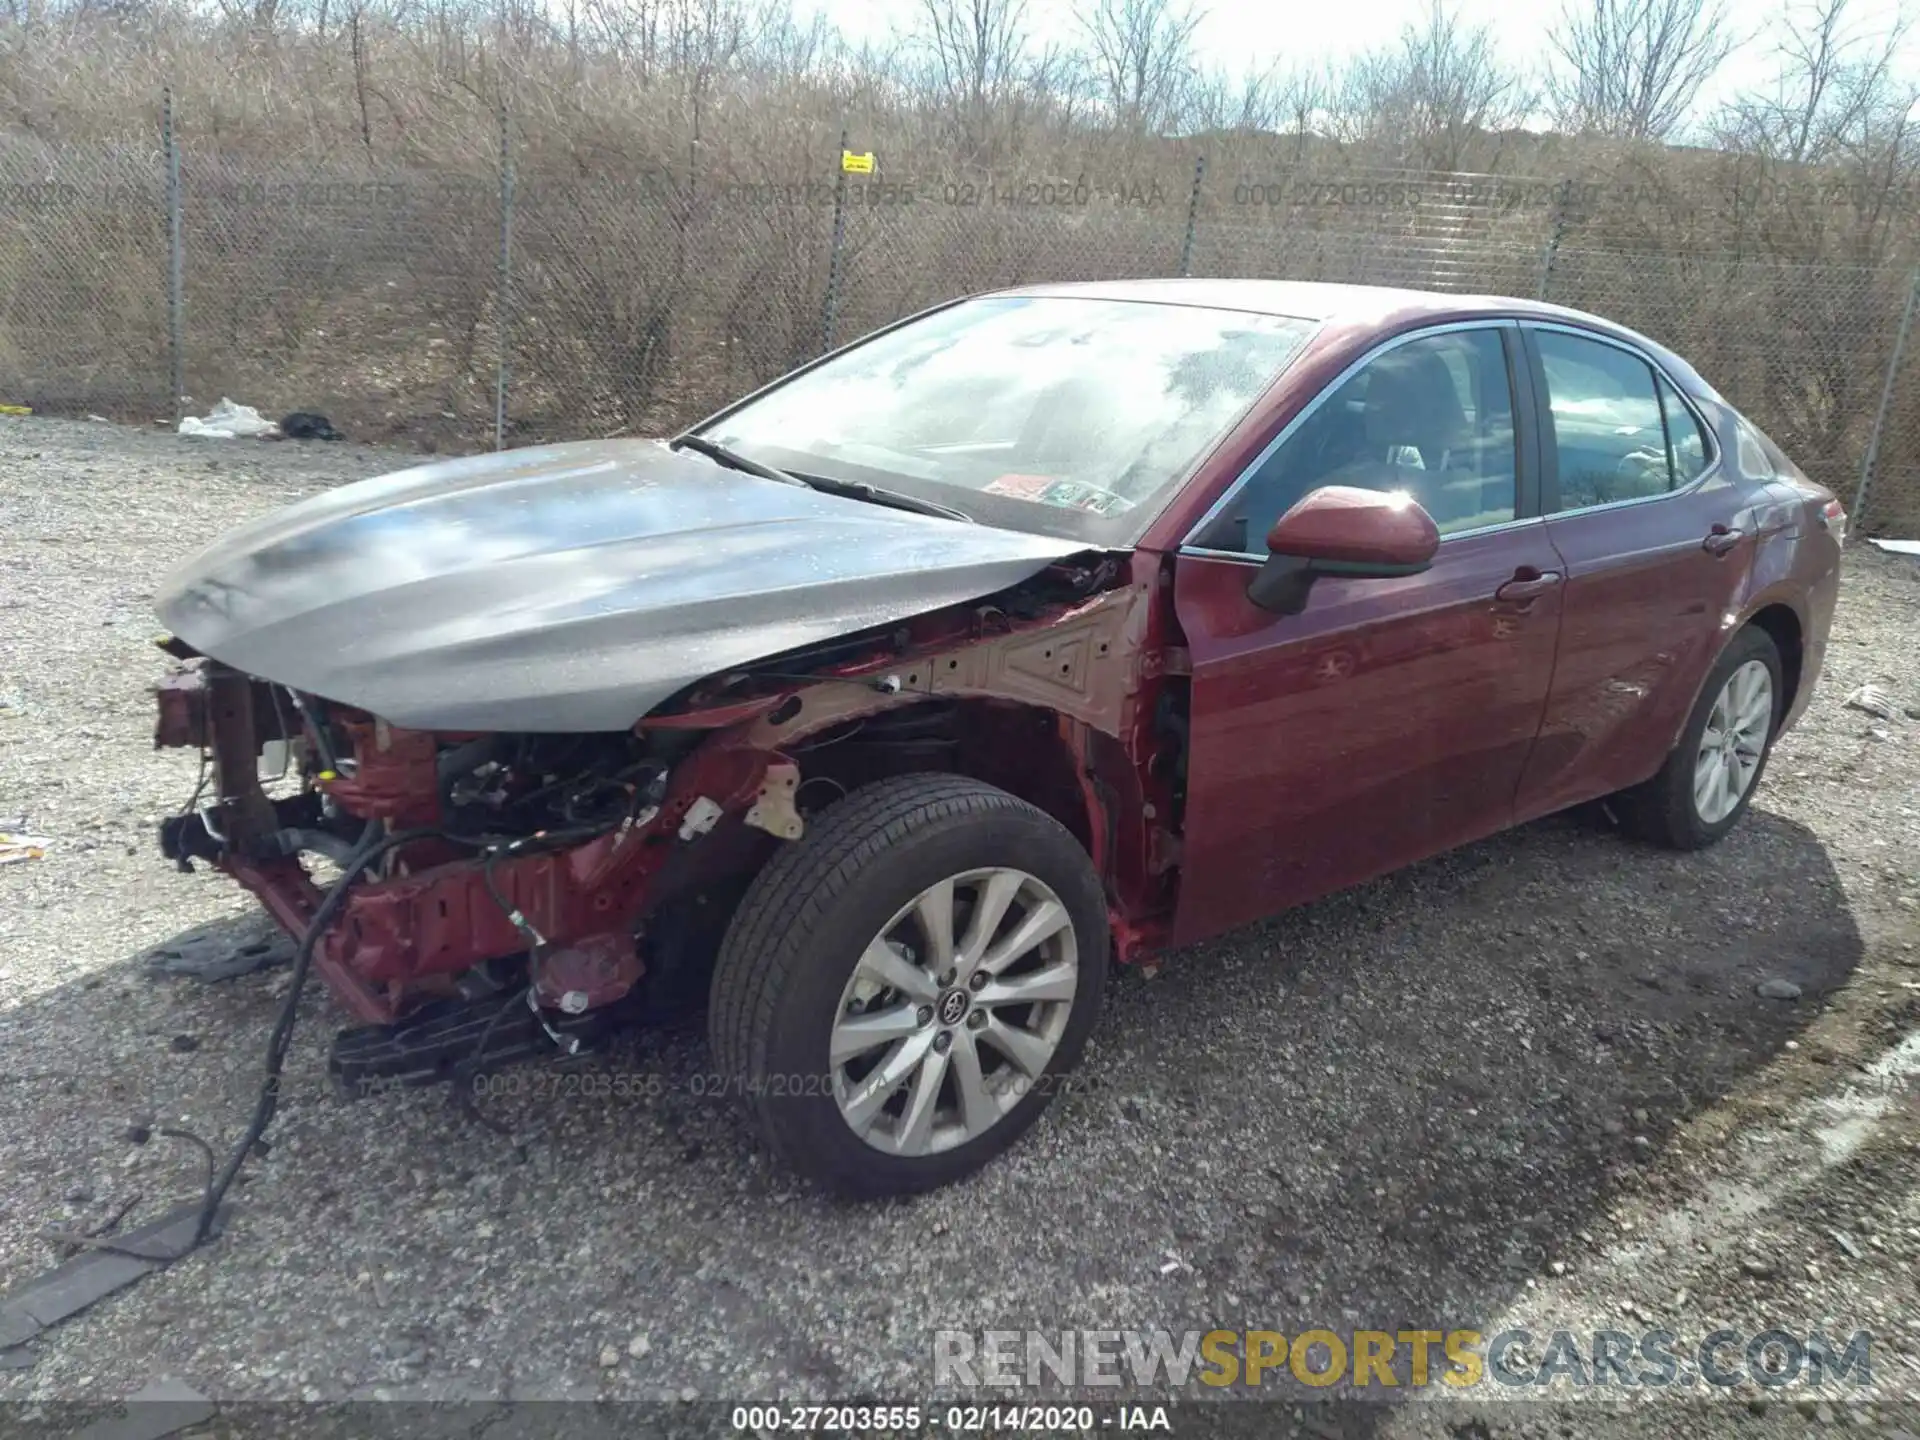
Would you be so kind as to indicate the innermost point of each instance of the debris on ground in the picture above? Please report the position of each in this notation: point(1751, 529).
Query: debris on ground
point(164, 1407)
point(69, 1242)
point(16, 409)
point(1875, 701)
point(305, 425)
point(98, 1272)
point(16, 848)
point(228, 421)
point(1898, 547)
point(221, 950)
point(1777, 989)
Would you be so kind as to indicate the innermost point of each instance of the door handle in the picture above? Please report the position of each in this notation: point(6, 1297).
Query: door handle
point(1528, 584)
point(1722, 538)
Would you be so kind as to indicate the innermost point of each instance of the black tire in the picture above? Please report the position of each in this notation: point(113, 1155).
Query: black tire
point(793, 943)
point(1662, 811)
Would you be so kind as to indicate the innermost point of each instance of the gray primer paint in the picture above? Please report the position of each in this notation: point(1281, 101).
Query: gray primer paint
point(565, 587)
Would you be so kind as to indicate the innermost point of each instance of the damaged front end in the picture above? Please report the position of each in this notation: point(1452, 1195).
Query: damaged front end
point(541, 886)
point(523, 863)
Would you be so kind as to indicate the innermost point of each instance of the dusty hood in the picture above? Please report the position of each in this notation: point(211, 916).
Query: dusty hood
point(566, 587)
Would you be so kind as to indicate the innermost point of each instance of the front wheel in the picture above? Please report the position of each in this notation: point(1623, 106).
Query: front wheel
point(1709, 779)
point(901, 990)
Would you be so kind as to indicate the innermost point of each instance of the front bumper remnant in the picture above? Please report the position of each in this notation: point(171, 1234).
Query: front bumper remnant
point(439, 905)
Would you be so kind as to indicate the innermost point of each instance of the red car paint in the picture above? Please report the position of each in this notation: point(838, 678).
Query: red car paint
point(1530, 668)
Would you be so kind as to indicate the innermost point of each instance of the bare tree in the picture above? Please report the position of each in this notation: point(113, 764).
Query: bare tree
point(975, 56)
point(1841, 103)
point(1834, 87)
point(1431, 96)
point(1303, 103)
point(1633, 68)
point(788, 47)
point(1272, 100)
point(1141, 52)
point(1060, 80)
point(1217, 102)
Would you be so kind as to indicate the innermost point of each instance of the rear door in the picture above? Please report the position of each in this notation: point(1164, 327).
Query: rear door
point(1391, 718)
point(1655, 535)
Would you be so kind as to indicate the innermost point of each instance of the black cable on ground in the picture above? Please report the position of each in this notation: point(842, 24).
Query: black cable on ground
point(369, 850)
point(371, 847)
point(470, 1071)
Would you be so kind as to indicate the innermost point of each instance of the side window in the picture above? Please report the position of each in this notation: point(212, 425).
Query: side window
point(1685, 439)
point(1755, 463)
point(1432, 418)
point(1608, 433)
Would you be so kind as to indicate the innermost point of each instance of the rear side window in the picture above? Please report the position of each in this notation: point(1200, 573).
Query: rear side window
point(1609, 431)
point(1751, 451)
point(1686, 441)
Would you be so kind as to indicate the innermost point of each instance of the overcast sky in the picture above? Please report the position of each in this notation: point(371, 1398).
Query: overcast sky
point(1235, 35)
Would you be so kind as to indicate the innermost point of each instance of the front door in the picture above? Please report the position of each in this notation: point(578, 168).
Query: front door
point(1391, 719)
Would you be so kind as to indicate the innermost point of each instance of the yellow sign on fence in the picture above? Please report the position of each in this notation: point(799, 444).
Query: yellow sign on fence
point(856, 164)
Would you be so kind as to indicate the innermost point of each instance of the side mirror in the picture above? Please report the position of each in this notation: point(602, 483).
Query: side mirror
point(1345, 531)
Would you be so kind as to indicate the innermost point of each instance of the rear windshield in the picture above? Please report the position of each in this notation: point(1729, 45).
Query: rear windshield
point(1061, 415)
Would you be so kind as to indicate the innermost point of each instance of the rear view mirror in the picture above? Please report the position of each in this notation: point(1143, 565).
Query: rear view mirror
point(1345, 531)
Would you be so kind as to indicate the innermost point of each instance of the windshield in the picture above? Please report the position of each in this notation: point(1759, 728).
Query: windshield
point(1067, 416)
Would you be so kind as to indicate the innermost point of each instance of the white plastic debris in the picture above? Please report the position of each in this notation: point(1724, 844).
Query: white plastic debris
point(1875, 701)
point(1898, 547)
point(15, 848)
point(228, 421)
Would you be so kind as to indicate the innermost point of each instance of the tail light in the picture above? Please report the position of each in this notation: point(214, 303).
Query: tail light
point(1834, 516)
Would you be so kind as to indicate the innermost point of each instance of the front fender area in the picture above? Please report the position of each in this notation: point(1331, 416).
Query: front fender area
point(1058, 709)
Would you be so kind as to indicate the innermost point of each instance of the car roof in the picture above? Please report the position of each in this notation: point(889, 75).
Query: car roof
point(1300, 299)
point(1352, 309)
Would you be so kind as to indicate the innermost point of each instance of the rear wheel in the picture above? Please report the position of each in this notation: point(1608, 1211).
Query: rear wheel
point(1709, 779)
point(901, 990)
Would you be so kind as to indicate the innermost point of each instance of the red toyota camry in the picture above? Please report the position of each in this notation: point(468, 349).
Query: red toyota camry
point(1046, 629)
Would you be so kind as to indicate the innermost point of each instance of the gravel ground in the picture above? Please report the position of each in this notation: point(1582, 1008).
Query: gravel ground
point(1529, 1083)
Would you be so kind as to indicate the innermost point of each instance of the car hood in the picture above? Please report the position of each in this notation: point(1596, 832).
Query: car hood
point(565, 587)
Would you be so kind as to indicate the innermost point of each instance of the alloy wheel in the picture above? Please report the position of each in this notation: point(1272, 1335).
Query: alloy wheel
point(954, 1011)
point(1733, 742)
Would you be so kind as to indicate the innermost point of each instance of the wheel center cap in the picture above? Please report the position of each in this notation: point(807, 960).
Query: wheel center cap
point(953, 1006)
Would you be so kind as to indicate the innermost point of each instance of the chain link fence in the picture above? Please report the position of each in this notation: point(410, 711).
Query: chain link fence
point(83, 279)
point(455, 311)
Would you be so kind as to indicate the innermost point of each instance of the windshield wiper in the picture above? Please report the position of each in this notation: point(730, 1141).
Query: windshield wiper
point(733, 459)
point(851, 489)
point(860, 490)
